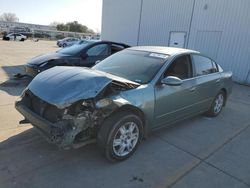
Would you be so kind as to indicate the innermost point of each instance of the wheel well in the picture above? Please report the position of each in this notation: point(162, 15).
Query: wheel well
point(225, 94)
point(134, 110)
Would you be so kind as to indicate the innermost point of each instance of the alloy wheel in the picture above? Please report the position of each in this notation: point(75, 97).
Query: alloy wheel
point(218, 103)
point(126, 139)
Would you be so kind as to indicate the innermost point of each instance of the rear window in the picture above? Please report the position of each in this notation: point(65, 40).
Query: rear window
point(74, 49)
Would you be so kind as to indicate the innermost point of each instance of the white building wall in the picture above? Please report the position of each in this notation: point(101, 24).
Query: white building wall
point(120, 20)
point(221, 29)
point(160, 17)
point(217, 28)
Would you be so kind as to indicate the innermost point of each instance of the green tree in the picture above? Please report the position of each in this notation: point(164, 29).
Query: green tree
point(62, 27)
point(74, 27)
point(91, 31)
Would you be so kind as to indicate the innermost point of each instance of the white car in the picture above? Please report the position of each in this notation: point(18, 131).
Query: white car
point(69, 41)
point(15, 36)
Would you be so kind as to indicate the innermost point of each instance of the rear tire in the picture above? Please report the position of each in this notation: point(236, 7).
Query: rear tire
point(217, 105)
point(120, 135)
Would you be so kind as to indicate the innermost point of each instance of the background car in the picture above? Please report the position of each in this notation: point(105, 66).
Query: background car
point(124, 97)
point(69, 41)
point(85, 53)
point(15, 36)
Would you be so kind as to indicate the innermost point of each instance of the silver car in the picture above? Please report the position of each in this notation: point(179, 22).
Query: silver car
point(69, 41)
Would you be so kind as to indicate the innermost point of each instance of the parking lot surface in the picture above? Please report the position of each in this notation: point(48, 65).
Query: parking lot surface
point(200, 152)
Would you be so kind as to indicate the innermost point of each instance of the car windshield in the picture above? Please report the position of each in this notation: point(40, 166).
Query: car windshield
point(137, 66)
point(74, 49)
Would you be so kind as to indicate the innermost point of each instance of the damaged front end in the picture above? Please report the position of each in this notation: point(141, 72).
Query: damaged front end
point(63, 127)
point(75, 124)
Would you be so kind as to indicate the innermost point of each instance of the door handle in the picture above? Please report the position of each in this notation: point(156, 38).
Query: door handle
point(193, 89)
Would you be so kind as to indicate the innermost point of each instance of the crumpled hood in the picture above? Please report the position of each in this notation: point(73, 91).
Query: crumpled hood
point(46, 57)
point(62, 86)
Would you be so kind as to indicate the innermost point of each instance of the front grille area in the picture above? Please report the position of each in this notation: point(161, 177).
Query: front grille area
point(42, 108)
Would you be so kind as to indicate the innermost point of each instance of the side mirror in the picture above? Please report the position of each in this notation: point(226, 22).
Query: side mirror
point(98, 61)
point(172, 81)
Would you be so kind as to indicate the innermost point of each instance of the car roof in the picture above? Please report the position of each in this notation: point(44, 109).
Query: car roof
point(112, 42)
point(163, 50)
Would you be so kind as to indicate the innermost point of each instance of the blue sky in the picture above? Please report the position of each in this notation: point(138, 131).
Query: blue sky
point(87, 12)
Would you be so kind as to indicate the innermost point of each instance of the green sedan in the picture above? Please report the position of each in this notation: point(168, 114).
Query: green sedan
point(120, 100)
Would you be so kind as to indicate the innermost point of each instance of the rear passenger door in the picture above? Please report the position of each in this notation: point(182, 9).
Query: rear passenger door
point(207, 80)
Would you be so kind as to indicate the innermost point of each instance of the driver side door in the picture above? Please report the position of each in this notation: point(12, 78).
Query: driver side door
point(173, 103)
point(95, 53)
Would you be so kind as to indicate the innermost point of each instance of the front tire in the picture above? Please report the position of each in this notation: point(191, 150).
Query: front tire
point(120, 135)
point(217, 104)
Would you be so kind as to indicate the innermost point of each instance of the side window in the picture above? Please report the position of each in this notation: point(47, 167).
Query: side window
point(99, 50)
point(203, 65)
point(116, 48)
point(215, 67)
point(219, 68)
point(181, 67)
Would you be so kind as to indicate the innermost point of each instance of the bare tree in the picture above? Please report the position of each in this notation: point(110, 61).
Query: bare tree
point(9, 17)
point(55, 23)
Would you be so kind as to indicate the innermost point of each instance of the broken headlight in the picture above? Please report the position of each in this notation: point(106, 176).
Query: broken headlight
point(103, 103)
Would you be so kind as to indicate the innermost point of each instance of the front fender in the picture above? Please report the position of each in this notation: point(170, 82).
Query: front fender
point(139, 100)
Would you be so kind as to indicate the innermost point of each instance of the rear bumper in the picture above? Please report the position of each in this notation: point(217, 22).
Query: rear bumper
point(60, 133)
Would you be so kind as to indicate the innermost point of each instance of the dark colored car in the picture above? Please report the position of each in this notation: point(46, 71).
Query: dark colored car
point(123, 98)
point(84, 54)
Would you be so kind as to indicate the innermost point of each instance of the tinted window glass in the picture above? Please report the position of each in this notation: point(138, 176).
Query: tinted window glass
point(74, 49)
point(137, 66)
point(215, 67)
point(101, 49)
point(203, 65)
point(181, 67)
point(116, 48)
